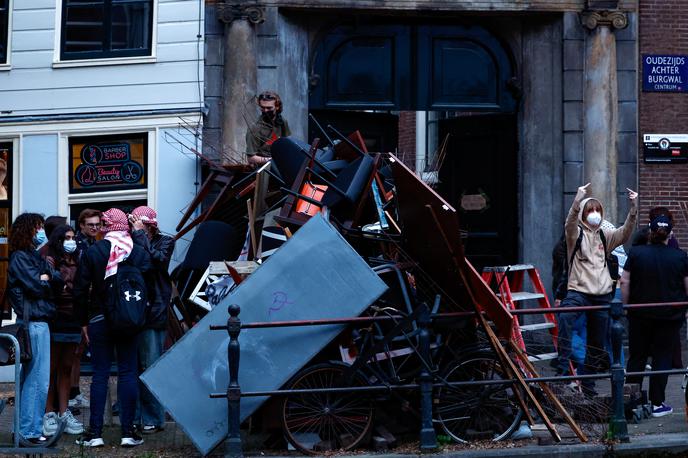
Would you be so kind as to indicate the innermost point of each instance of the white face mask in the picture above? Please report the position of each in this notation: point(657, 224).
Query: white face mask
point(594, 218)
point(69, 246)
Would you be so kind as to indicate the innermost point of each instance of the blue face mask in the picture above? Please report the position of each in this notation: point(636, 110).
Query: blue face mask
point(69, 246)
point(40, 238)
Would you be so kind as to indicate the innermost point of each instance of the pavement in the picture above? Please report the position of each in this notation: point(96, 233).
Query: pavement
point(666, 436)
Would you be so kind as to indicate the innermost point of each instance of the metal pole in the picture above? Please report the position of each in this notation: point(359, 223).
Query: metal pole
point(428, 440)
point(233, 442)
point(618, 426)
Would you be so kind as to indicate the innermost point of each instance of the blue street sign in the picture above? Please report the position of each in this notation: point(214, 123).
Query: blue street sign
point(665, 73)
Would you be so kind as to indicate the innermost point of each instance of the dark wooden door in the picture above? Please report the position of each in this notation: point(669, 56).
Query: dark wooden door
point(479, 177)
point(379, 130)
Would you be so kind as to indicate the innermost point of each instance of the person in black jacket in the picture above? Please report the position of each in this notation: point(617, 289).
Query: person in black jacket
point(31, 283)
point(655, 273)
point(90, 292)
point(149, 413)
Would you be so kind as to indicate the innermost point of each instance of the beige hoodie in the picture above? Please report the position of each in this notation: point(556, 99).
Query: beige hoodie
point(589, 274)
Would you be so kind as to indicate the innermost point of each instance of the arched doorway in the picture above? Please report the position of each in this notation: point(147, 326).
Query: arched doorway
point(462, 77)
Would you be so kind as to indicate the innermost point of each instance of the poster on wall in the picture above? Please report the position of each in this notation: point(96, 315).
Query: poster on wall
point(107, 163)
point(665, 147)
point(665, 73)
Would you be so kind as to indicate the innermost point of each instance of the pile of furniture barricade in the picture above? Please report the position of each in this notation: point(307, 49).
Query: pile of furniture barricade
point(333, 235)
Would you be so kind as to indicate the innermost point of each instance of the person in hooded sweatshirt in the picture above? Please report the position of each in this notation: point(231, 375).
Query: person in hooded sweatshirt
point(589, 281)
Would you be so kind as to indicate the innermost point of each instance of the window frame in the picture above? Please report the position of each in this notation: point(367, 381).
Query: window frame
point(6, 63)
point(109, 57)
point(109, 137)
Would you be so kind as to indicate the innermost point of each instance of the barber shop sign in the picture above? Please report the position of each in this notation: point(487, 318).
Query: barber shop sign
point(665, 73)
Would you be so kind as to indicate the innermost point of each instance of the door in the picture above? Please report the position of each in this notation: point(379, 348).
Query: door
point(479, 178)
point(379, 130)
point(6, 157)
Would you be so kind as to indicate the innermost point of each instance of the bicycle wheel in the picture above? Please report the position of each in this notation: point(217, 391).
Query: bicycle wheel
point(481, 411)
point(317, 422)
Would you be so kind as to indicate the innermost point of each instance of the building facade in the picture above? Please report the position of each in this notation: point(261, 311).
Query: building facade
point(538, 97)
point(663, 31)
point(99, 103)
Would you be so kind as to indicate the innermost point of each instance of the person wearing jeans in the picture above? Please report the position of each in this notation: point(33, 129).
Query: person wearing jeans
point(144, 221)
point(34, 384)
point(589, 282)
point(97, 265)
point(31, 282)
point(104, 345)
point(150, 414)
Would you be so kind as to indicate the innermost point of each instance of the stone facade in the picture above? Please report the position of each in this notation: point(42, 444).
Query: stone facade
point(550, 61)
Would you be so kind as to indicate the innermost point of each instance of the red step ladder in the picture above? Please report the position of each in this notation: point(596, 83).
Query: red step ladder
point(507, 281)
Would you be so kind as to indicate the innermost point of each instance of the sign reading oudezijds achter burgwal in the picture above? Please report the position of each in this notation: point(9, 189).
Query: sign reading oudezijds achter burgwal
point(665, 73)
point(107, 165)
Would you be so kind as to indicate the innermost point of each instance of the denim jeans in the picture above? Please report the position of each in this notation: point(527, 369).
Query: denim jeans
point(148, 410)
point(597, 325)
point(102, 346)
point(35, 378)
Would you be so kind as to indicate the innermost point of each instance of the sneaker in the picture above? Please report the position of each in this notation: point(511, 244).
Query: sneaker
point(38, 440)
point(90, 439)
point(131, 439)
point(661, 410)
point(50, 424)
point(80, 401)
point(74, 426)
point(151, 429)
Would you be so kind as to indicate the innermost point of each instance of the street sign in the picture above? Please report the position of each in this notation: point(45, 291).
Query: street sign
point(314, 275)
point(665, 147)
point(665, 73)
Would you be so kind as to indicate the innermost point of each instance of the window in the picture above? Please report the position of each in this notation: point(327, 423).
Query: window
point(4, 29)
point(97, 29)
point(108, 163)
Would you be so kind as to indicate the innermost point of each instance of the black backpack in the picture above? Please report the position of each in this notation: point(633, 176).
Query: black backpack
point(611, 261)
point(126, 299)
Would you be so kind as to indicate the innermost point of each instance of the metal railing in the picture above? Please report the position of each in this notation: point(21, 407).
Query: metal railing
point(617, 373)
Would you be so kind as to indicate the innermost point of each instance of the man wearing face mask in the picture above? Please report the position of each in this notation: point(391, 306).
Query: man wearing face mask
point(589, 281)
point(269, 127)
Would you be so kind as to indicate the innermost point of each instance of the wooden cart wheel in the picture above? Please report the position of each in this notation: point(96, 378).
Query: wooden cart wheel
point(477, 412)
point(317, 422)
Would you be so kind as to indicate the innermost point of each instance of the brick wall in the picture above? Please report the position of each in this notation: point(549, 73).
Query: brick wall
point(406, 149)
point(663, 29)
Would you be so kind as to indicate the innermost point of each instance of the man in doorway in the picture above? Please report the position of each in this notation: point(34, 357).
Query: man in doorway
point(269, 127)
point(89, 226)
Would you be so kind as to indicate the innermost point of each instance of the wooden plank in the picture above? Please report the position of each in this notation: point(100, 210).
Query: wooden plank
point(33, 19)
point(516, 374)
point(86, 99)
point(548, 391)
point(242, 267)
point(507, 363)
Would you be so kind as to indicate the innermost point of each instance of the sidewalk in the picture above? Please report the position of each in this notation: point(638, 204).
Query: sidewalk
point(655, 436)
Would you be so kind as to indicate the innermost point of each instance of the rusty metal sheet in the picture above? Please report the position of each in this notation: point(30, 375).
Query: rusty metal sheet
point(314, 275)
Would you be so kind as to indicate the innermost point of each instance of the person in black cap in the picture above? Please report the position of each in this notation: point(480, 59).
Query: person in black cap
point(654, 273)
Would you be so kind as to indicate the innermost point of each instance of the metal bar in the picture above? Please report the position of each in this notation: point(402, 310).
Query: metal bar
point(428, 439)
point(617, 424)
point(440, 316)
point(17, 383)
point(233, 441)
point(413, 386)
